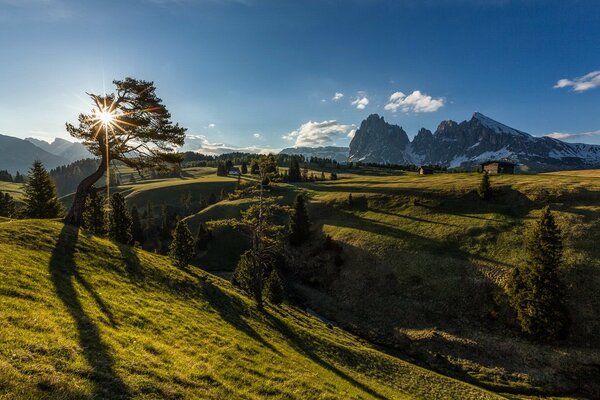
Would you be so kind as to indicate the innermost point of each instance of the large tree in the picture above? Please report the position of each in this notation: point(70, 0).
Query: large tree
point(299, 222)
point(41, 197)
point(140, 134)
point(536, 290)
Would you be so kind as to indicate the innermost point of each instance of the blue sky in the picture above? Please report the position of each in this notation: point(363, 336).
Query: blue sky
point(265, 73)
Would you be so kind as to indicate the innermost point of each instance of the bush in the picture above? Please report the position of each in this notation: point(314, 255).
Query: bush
point(273, 290)
point(485, 190)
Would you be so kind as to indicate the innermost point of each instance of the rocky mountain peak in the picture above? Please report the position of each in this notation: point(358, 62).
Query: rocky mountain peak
point(377, 140)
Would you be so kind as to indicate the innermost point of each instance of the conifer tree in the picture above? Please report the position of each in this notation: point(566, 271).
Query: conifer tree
point(7, 206)
point(322, 175)
point(485, 190)
point(333, 176)
point(244, 168)
point(137, 232)
point(249, 275)
point(535, 289)
point(254, 168)
point(41, 198)
point(299, 223)
point(273, 290)
point(181, 249)
point(120, 219)
point(93, 214)
point(202, 238)
point(350, 200)
point(294, 174)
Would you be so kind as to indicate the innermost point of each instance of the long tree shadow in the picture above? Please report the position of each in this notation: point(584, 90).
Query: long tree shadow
point(63, 272)
point(301, 345)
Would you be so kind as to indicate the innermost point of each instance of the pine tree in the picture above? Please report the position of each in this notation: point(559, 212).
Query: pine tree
point(249, 275)
point(485, 190)
point(7, 206)
point(299, 223)
point(535, 289)
point(137, 232)
point(93, 214)
point(350, 200)
point(333, 176)
point(294, 174)
point(181, 249)
point(41, 198)
point(254, 168)
point(244, 168)
point(202, 238)
point(273, 290)
point(322, 175)
point(120, 219)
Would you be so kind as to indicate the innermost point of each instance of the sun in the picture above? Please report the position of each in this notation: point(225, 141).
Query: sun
point(106, 117)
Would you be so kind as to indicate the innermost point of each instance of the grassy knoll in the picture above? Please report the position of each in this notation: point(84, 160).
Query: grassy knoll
point(81, 317)
point(14, 189)
point(433, 259)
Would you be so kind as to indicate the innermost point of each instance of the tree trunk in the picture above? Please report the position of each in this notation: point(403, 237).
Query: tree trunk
point(74, 217)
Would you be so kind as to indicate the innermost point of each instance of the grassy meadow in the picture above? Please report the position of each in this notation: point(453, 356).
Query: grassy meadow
point(85, 318)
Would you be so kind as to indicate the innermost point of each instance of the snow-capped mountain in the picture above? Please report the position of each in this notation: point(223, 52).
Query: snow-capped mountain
point(466, 144)
point(340, 154)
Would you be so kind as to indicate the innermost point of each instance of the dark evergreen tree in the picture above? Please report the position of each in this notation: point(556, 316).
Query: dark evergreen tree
point(120, 219)
point(41, 198)
point(182, 246)
point(221, 169)
point(333, 176)
point(244, 168)
point(322, 175)
point(137, 231)
point(93, 214)
point(254, 168)
point(274, 291)
point(212, 199)
point(294, 174)
point(19, 178)
point(485, 189)
point(535, 289)
point(350, 200)
point(299, 223)
point(7, 206)
point(249, 275)
point(202, 238)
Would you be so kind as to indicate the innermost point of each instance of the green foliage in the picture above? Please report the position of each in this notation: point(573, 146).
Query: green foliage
point(182, 245)
point(202, 238)
point(484, 191)
point(294, 173)
point(249, 274)
point(7, 206)
point(254, 168)
point(222, 169)
point(143, 140)
point(535, 288)
point(273, 290)
point(41, 198)
point(244, 168)
point(137, 231)
point(333, 176)
point(120, 220)
point(299, 223)
point(93, 215)
point(350, 201)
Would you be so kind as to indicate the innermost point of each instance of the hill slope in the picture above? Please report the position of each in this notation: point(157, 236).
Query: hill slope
point(81, 317)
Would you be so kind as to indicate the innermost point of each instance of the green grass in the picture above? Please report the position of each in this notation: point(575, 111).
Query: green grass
point(427, 261)
point(81, 317)
point(14, 189)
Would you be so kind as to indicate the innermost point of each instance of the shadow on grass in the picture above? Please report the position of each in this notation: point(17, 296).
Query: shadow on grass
point(301, 346)
point(63, 272)
point(231, 309)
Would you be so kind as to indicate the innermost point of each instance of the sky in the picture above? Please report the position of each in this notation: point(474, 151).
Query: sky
point(270, 74)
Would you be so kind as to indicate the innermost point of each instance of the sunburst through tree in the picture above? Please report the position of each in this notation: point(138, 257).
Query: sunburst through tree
point(131, 126)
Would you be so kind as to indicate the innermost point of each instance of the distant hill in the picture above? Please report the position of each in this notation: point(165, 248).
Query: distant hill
point(63, 148)
point(18, 155)
point(340, 154)
point(467, 144)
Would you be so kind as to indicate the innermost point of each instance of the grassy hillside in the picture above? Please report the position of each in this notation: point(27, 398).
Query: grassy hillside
point(14, 189)
point(426, 263)
point(81, 317)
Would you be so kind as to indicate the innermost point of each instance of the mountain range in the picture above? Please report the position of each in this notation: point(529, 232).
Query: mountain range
point(340, 154)
point(18, 154)
point(466, 144)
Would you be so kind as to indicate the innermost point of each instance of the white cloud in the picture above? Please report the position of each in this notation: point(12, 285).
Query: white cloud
point(574, 136)
point(212, 125)
point(351, 134)
point(337, 96)
point(200, 144)
point(414, 102)
point(582, 83)
point(318, 133)
point(361, 102)
point(257, 136)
